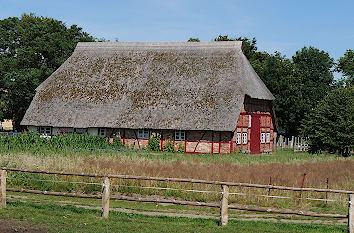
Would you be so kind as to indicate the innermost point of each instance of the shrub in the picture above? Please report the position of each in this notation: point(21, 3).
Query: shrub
point(180, 147)
point(169, 147)
point(330, 126)
point(154, 143)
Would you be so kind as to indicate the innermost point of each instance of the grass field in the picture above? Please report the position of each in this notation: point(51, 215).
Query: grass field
point(283, 167)
point(32, 217)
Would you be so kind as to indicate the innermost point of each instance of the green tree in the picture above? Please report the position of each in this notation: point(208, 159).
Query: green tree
point(31, 48)
point(313, 68)
point(330, 126)
point(249, 47)
point(193, 40)
point(277, 72)
point(346, 66)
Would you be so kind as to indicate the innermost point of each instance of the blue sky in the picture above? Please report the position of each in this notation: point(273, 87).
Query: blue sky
point(285, 26)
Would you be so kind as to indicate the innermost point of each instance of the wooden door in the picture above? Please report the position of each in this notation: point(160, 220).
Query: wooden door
point(255, 140)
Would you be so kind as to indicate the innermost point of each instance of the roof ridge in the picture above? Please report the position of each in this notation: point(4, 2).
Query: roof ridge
point(165, 45)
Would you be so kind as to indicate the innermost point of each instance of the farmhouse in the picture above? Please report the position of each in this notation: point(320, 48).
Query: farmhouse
point(205, 96)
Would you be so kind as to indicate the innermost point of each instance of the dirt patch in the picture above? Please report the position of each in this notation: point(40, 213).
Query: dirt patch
point(14, 225)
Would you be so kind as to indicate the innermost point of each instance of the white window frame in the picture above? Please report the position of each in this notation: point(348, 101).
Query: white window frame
point(262, 137)
point(267, 137)
point(180, 135)
point(244, 138)
point(143, 134)
point(45, 130)
point(249, 121)
point(102, 132)
point(238, 138)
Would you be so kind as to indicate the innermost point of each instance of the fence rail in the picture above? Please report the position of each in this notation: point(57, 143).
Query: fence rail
point(106, 195)
point(297, 144)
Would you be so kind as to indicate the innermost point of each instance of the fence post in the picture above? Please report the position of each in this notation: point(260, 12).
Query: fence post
point(351, 214)
point(105, 197)
point(3, 188)
point(224, 205)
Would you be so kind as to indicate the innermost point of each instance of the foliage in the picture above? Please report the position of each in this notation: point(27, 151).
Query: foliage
point(180, 147)
point(297, 84)
point(33, 142)
point(193, 40)
point(31, 48)
point(169, 147)
point(118, 142)
point(331, 125)
point(154, 143)
point(249, 47)
point(346, 66)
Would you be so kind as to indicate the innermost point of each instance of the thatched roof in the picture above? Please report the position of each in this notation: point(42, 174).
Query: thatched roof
point(178, 85)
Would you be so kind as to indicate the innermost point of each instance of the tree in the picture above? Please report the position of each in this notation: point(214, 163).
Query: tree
point(249, 47)
point(278, 74)
point(346, 66)
point(313, 68)
point(193, 40)
point(330, 126)
point(31, 48)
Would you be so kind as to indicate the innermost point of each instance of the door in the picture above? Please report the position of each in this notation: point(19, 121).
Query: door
point(255, 141)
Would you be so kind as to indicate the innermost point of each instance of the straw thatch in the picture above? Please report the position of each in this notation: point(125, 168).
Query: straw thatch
point(179, 85)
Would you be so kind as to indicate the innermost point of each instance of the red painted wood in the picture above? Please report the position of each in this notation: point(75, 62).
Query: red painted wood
point(255, 135)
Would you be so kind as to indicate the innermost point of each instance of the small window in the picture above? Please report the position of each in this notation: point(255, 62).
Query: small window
point(244, 138)
point(267, 137)
point(143, 134)
point(102, 131)
point(238, 138)
point(180, 135)
point(249, 121)
point(262, 137)
point(45, 130)
point(80, 130)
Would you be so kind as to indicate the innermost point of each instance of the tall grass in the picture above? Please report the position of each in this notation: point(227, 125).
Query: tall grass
point(63, 144)
point(92, 154)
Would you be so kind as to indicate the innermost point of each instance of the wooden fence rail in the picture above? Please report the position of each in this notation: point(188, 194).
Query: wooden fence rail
point(223, 205)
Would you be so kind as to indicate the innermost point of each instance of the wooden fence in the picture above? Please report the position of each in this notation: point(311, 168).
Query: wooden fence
point(224, 205)
point(296, 144)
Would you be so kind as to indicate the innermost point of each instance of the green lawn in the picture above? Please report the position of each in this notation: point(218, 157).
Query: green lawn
point(56, 218)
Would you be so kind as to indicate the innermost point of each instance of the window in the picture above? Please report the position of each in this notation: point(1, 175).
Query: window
point(267, 137)
point(180, 135)
point(262, 137)
point(244, 138)
point(45, 131)
point(80, 130)
point(102, 131)
point(238, 138)
point(143, 134)
point(249, 121)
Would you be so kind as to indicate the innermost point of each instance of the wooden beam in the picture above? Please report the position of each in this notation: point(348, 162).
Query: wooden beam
point(195, 148)
point(285, 211)
point(105, 197)
point(180, 180)
point(351, 214)
point(55, 193)
point(3, 188)
point(161, 200)
point(224, 205)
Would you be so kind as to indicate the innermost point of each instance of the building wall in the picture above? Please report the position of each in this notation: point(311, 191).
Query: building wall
point(198, 141)
point(256, 108)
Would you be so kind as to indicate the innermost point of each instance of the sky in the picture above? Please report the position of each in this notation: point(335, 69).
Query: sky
point(285, 26)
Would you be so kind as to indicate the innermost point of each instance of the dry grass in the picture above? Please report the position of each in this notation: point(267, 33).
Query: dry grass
point(339, 172)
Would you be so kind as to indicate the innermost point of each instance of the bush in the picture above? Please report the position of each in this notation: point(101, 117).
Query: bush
point(330, 126)
point(169, 147)
point(154, 143)
point(33, 142)
point(180, 147)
